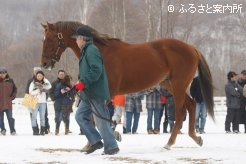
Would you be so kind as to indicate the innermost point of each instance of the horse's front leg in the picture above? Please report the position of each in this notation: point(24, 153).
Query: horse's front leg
point(191, 107)
point(180, 113)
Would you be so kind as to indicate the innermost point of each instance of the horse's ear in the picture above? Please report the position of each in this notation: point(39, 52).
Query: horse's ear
point(50, 26)
point(44, 26)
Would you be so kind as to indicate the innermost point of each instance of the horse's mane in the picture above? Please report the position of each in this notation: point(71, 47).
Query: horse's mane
point(73, 26)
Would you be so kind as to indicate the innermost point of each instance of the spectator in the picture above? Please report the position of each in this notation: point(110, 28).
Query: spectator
point(63, 91)
point(154, 106)
point(39, 88)
point(233, 92)
point(133, 107)
point(57, 99)
point(242, 112)
point(8, 92)
point(47, 125)
point(119, 103)
point(201, 112)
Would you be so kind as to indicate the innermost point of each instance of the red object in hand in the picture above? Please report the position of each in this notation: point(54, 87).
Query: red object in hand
point(79, 86)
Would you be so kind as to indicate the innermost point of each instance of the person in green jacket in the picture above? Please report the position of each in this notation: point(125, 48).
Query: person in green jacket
point(93, 86)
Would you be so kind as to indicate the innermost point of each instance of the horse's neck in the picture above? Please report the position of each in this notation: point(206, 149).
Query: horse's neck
point(75, 49)
point(101, 47)
point(111, 44)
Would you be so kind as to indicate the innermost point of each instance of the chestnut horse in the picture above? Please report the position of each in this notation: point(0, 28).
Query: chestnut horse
point(131, 68)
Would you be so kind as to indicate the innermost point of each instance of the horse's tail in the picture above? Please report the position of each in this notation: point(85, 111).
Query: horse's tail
point(206, 83)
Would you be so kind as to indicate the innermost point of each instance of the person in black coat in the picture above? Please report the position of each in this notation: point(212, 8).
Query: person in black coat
point(233, 93)
point(242, 112)
point(201, 112)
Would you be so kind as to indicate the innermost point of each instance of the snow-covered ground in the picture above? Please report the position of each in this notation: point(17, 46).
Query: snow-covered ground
point(218, 147)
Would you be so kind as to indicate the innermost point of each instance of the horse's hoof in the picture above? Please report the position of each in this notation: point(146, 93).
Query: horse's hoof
point(168, 147)
point(200, 142)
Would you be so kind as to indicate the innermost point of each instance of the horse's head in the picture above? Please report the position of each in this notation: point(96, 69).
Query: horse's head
point(53, 46)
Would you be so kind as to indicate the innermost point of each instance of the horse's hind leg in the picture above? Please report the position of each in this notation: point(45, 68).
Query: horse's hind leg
point(191, 107)
point(179, 113)
point(177, 126)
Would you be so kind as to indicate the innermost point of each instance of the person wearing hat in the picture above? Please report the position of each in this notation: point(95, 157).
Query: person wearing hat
point(8, 93)
point(93, 84)
point(39, 88)
point(233, 93)
point(242, 81)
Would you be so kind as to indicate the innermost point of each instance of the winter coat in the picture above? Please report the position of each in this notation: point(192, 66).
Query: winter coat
point(8, 93)
point(52, 89)
point(134, 101)
point(92, 73)
point(195, 90)
point(153, 99)
point(242, 111)
point(233, 93)
point(66, 99)
point(28, 84)
point(39, 90)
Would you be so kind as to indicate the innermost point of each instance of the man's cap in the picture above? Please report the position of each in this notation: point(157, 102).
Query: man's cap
point(243, 72)
point(3, 70)
point(83, 31)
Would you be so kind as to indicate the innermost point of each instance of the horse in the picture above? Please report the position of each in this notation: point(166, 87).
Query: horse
point(130, 68)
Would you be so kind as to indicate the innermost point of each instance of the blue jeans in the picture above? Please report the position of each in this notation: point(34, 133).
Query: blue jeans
point(83, 118)
point(201, 113)
point(10, 118)
point(136, 116)
point(156, 118)
point(41, 108)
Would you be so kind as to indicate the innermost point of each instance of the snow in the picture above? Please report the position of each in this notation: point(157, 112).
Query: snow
point(218, 147)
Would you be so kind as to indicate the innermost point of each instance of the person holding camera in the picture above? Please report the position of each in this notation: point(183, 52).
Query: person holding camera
point(38, 88)
point(66, 95)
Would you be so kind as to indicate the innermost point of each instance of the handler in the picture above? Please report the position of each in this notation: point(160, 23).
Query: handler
point(93, 82)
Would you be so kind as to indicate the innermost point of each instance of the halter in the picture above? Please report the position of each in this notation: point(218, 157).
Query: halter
point(61, 45)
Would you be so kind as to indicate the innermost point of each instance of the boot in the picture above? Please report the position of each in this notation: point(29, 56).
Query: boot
point(165, 124)
point(42, 131)
point(47, 130)
point(113, 125)
point(66, 129)
point(57, 131)
point(35, 131)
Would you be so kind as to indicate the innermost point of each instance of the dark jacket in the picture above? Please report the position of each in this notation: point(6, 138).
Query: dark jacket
point(195, 90)
point(52, 89)
point(92, 73)
point(233, 92)
point(28, 84)
point(66, 98)
point(242, 119)
point(8, 93)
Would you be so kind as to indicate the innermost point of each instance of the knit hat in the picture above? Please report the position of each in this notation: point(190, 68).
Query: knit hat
point(3, 70)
